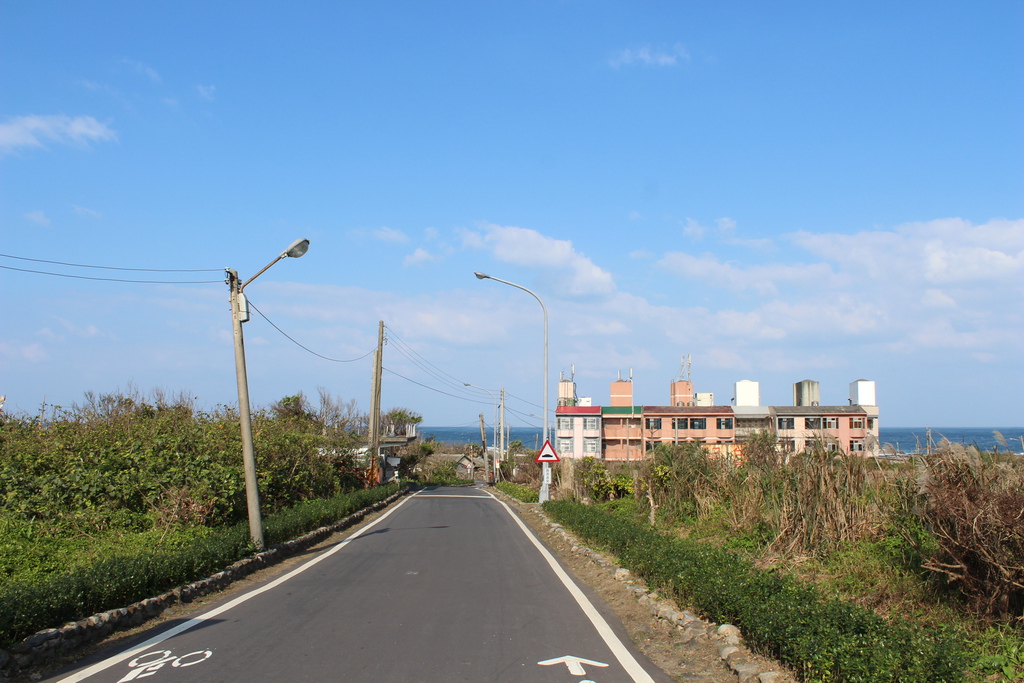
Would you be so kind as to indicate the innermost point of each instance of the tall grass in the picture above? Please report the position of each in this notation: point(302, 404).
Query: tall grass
point(954, 518)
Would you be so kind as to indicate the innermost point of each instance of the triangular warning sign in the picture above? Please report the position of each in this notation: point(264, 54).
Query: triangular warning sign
point(547, 454)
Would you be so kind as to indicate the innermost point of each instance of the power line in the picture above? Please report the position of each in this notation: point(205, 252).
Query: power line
point(111, 279)
point(333, 360)
point(463, 398)
point(81, 265)
point(402, 347)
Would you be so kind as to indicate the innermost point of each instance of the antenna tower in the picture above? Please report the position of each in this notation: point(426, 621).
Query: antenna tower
point(684, 370)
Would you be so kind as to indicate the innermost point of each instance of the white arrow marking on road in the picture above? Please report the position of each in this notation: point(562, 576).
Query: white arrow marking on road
point(575, 664)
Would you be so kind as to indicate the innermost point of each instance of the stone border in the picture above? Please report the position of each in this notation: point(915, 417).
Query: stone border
point(690, 627)
point(45, 644)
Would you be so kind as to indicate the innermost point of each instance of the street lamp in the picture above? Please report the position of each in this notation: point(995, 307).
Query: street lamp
point(544, 491)
point(239, 315)
point(494, 469)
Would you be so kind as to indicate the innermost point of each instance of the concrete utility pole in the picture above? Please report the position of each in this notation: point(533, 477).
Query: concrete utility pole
point(483, 442)
point(501, 449)
point(239, 315)
point(374, 445)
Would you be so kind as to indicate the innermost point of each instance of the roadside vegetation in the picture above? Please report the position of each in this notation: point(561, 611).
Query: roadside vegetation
point(125, 496)
point(934, 545)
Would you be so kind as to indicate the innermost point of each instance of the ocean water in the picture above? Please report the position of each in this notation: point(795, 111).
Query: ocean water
point(906, 439)
point(530, 436)
point(911, 439)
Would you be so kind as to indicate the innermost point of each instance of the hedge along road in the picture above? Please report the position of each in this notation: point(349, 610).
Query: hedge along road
point(447, 585)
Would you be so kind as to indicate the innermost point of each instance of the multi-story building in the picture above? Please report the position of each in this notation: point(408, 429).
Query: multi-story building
point(623, 431)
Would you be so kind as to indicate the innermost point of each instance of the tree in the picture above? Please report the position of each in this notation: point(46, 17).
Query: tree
point(397, 421)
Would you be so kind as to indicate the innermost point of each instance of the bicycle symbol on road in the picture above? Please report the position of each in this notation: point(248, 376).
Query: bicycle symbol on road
point(151, 662)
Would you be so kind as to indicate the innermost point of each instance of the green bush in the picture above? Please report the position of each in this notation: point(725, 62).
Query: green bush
point(523, 493)
point(121, 462)
point(50, 600)
point(822, 639)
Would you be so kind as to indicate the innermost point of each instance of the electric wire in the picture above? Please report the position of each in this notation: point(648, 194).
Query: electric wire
point(447, 379)
point(437, 373)
point(142, 270)
point(462, 398)
point(305, 348)
point(111, 279)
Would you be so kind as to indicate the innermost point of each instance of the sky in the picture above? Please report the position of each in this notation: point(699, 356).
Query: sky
point(779, 191)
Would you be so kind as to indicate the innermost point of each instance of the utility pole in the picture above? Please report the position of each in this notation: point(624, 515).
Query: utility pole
point(374, 445)
point(483, 442)
point(501, 449)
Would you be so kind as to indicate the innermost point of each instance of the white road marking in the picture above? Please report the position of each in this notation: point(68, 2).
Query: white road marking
point(622, 654)
point(196, 621)
point(574, 664)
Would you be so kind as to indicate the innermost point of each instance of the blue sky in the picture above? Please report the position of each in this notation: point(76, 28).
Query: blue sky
point(783, 191)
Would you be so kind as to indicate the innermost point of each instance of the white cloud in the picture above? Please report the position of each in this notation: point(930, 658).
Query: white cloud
point(936, 298)
point(940, 251)
point(648, 56)
point(419, 256)
point(38, 217)
point(33, 131)
point(144, 70)
point(763, 279)
point(694, 230)
point(33, 352)
point(390, 235)
point(207, 92)
point(91, 213)
point(524, 247)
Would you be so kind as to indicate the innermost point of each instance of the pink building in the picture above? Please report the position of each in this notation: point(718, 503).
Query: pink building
point(626, 432)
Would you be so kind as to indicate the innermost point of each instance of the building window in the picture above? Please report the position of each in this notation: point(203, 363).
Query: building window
point(680, 423)
point(564, 423)
point(591, 423)
point(786, 445)
point(832, 446)
point(812, 423)
point(654, 423)
point(831, 423)
point(871, 423)
point(565, 446)
point(591, 445)
point(856, 423)
point(857, 446)
point(786, 423)
point(725, 423)
point(698, 423)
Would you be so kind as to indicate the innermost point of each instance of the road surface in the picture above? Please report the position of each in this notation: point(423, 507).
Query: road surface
point(446, 585)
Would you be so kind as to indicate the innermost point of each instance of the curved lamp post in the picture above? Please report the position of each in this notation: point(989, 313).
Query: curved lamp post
point(239, 315)
point(493, 476)
point(544, 491)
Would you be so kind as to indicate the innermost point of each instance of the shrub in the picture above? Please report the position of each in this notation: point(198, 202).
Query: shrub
point(973, 504)
point(523, 493)
point(823, 639)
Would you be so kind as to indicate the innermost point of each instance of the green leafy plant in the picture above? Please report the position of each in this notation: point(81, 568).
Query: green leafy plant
point(523, 493)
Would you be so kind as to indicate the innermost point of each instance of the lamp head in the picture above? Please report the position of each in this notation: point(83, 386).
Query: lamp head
point(297, 248)
point(481, 276)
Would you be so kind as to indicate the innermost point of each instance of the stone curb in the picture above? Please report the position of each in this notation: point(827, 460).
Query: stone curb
point(691, 628)
point(47, 643)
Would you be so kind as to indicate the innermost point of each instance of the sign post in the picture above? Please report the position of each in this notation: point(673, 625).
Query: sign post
point(546, 456)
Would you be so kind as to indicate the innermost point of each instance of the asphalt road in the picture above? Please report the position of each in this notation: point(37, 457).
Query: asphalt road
point(447, 585)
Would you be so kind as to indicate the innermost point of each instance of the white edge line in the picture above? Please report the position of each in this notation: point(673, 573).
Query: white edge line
point(195, 621)
point(622, 654)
